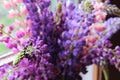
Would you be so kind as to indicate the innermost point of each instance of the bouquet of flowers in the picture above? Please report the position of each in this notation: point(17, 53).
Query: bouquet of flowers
point(59, 45)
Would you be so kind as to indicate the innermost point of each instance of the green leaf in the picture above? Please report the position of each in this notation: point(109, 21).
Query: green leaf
point(18, 58)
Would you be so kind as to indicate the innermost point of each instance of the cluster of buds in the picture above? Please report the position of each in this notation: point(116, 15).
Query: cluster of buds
point(7, 37)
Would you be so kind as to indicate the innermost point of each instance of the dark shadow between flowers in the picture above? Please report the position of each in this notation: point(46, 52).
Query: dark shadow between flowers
point(114, 74)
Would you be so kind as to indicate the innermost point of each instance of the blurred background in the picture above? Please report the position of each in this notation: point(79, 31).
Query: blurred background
point(6, 21)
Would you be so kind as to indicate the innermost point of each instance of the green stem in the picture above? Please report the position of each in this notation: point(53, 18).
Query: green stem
point(7, 34)
point(105, 72)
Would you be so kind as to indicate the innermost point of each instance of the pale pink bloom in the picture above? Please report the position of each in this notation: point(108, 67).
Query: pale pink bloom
point(17, 1)
point(15, 50)
point(9, 45)
point(23, 10)
point(98, 19)
point(1, 26)
point(101, 14)
point(18, 41)
point(1, 40)
point(9, 29)
point(16, 23)
point(90, 45)
point(28, 23)
point(14, 3)
point(27, 31)
point(92, 38)
point(22, 41)
point(98, 27)
point(7, 4)
point(18, 14)
point(25, 23)
point(6, 39)
point(98, 5)
point(14, 45)
point(12, 13)
point(20, 34)
point(90, 27)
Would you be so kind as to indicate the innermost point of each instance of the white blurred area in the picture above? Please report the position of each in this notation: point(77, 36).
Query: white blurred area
point(90, 73)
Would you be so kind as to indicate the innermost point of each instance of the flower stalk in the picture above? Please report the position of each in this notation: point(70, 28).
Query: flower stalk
point(105, 72)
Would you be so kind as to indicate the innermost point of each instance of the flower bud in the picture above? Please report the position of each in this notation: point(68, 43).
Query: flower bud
point(6, 4)
point(15, 50)
point(1, 33)
point(6, 39)
point(99, 27)
point(16, 23)
point(9, 45)
point(20, 34)
point(1, 26)
point(18, 1)
point(23, 10)
point(59, 8)
point(9, 29)
point(13, 13)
